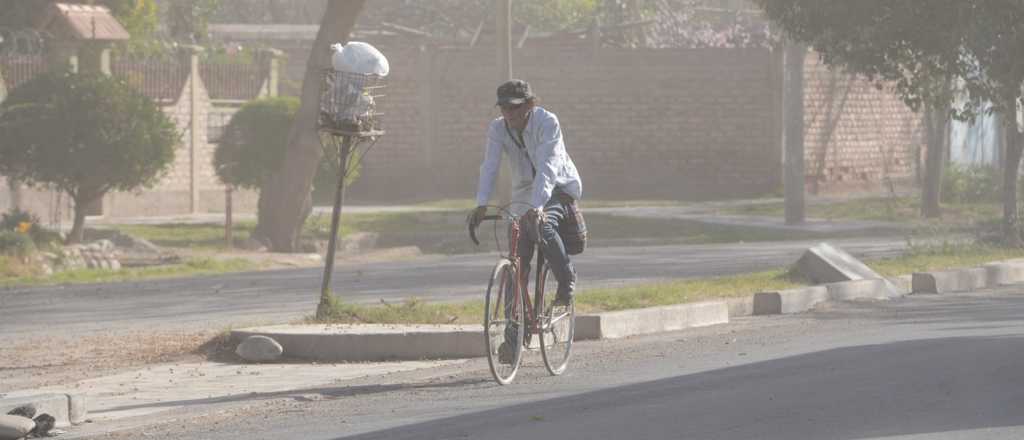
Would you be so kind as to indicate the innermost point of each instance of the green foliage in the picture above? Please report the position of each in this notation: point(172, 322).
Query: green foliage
point(139, 17)
point(255, 142)
point(919, 45)
point(557, 15)
point(26, 223)
point(971, 184)
point(189, 20)
point(86, 134)
point(16, 243)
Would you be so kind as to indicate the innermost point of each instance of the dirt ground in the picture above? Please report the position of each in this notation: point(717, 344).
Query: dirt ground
point(36, 362)
point(39, 361)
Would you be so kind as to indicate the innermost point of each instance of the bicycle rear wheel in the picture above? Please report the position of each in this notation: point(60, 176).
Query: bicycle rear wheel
point(558, 325)
point(504, 323)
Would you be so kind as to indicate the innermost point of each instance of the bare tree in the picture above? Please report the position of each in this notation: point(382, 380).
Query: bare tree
point(289, 200)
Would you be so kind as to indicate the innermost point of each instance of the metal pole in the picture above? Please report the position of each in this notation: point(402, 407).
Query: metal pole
point(332, 241)
point(504, 16)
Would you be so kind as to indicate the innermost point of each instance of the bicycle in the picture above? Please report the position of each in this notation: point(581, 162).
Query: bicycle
point(508, 311)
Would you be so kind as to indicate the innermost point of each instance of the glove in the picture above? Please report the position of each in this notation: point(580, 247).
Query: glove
point(477, 216)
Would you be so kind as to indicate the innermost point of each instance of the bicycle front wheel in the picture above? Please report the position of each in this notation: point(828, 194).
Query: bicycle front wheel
point(504, 322)
point(558, 325)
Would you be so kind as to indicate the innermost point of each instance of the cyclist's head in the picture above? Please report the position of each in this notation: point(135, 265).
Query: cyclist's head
point(516, 99)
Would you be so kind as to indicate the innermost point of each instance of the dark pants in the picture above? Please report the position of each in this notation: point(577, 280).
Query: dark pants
point(550, 244)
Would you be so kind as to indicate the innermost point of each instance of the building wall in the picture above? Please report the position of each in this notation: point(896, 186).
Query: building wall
point(857, 137)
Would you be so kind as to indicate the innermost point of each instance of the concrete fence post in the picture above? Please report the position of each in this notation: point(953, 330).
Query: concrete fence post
point(190, 54)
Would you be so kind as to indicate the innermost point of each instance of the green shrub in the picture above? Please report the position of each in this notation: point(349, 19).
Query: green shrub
point(10, 221)
point(971, 184)
point(16, 220)
point(16, 243)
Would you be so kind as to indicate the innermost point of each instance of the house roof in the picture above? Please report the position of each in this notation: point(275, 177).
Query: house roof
point(83, 22)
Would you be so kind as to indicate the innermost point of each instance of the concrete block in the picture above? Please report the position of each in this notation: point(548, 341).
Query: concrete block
point(861, 289)
point(55, 405)
point(651, 320)
point(1004, 273)
point(960, 280)
point(789, 300)
point(767, 303)
point(374, 342)
point(825, 263)
point(740, 306)
point(905, 283)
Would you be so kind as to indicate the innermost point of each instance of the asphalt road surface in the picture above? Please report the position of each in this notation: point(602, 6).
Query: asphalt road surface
point(281, 295)
point(935, 367)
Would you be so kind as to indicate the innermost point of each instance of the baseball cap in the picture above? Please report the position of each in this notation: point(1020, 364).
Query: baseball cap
point(513, 92)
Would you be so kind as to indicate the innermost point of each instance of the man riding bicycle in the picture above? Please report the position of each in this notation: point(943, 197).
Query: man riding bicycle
point(545, 183)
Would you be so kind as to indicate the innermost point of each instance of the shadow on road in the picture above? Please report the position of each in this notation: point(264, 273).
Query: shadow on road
point(910, 387)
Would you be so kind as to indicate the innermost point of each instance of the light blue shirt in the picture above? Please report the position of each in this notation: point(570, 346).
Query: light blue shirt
point(545, 151)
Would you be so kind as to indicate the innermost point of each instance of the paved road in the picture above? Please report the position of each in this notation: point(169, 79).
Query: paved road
point(936, 367)
point(258, 297)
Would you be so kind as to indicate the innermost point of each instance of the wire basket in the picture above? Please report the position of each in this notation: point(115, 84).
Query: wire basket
point(349, 102)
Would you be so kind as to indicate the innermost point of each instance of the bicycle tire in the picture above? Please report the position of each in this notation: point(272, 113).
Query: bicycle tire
point(498, 313)
point(558, 325)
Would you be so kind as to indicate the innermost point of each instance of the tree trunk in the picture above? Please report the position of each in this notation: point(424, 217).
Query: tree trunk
point(83, 199)
point(288, 196)
point(935, 127)
point(793, 180)
point(1011, 226)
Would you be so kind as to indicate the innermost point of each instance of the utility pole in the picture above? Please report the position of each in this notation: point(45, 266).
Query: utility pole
point(793, 131)
point(504, 30)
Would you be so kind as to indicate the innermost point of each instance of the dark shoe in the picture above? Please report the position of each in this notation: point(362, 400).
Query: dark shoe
point(505, 353)
point(562, 300)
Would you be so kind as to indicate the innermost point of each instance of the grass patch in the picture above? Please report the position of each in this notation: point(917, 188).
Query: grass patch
point(942, 257)
point(920, 258)
point(192, 236)
point(891, 209)
point(415, 311)
point(188, 268)
point(682, 291)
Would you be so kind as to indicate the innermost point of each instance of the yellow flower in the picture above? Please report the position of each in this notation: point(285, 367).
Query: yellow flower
point(24, 227)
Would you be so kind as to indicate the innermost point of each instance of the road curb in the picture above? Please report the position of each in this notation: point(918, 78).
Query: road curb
point(995, 274)
point(336, 343)
point(620, 324)
point(66, 409)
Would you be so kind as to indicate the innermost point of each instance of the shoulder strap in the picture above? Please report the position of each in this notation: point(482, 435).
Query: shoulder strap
point(522, 146)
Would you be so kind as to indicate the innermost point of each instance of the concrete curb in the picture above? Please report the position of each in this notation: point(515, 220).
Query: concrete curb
point(805, 298)
point(66, 409)
point(960, 280)
point(625, 323)
point(372, 343)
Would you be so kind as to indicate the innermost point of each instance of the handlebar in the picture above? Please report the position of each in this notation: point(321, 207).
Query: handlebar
point(472, 229)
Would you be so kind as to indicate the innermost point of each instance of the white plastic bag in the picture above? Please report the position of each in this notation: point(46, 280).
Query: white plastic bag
point(359, 57)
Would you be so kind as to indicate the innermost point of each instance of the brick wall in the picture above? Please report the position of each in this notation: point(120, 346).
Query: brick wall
point(638, 123)
point(856, 136)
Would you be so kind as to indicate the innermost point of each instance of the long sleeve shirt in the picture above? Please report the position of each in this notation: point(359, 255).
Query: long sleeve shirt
point(537, 170)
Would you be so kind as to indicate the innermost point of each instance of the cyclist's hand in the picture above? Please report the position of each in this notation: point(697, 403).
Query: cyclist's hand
point(533, 220)
point(476, 216)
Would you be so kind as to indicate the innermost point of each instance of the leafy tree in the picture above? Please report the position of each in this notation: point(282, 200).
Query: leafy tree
point(923, 46)
point(289, 190)
point(189, 20)
point(254, 146)
point(84, 134)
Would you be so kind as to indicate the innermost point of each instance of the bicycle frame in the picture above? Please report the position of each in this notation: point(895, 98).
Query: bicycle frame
point(517, 264)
